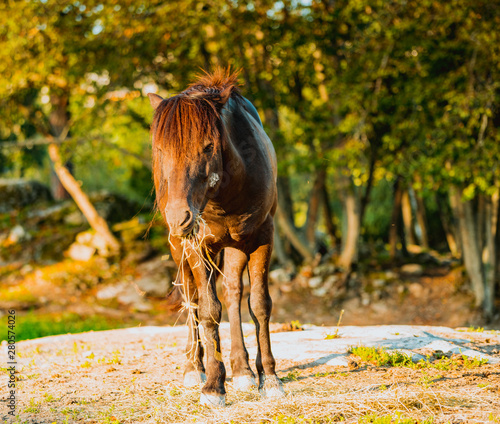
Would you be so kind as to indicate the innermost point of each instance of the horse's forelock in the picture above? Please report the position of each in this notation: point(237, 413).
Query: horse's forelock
point(193, 116)
point(182, 122)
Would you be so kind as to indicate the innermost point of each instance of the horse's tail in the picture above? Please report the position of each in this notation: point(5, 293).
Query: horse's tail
point(175, 297)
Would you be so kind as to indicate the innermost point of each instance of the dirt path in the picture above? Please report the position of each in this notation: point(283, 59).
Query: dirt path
point(134, 376)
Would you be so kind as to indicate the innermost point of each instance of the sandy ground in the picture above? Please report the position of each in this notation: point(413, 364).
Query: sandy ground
point(135, 376)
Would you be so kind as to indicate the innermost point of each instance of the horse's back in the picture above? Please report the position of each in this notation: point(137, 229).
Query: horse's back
point(252, 110)
point(250, 139)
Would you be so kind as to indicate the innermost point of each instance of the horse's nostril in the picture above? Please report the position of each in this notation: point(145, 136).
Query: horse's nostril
point(187, 220)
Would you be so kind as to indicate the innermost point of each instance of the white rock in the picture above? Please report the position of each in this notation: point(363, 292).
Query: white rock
point(320, 291)
point(412, 269)
point(74, 218)
point(416, 289)
point(111, 291)
point(99, 243)
point(390, 275)
point(17, 234)
point(379, 282)
point(154, 286)
point(315, 282)
point(80, 252)
point(85, 238)
point(279, 275)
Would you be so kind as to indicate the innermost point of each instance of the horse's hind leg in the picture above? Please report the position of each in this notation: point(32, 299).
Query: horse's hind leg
point(260, 305)
point(234, 264)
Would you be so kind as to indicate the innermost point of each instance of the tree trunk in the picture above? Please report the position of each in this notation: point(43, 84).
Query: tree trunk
point(314, 206)
point(449, 226)
point(58, 120)
point(408, 218)
point(328, 216)
point(422, 221)
point(471, 250)
point(351, 228)
point(290, 232)
point(279, 252)
point(73, 187)
point(395, 219)
point(489, 255)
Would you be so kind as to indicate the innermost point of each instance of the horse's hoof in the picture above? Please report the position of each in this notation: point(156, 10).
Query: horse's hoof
point(194, 378)
point(212, 400)
point(244, 383)
point(271, 387)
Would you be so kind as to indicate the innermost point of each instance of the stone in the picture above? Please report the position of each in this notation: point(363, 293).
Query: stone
point(391, 275)
point(279, 276)
point(17, 234)
point(416, 289)
point(75, 219)
point(85, 238)
point(110, 291)
point(18, 193)
point(320, 291)
point(365, 299)
point(126, 294)
point(100, 244)
point(412, 269)
point(81, 252)
point(378, 282)
point(315, 282)
point(156, 287)
point(331, 280)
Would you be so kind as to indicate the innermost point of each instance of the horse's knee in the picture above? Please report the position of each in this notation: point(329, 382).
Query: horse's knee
point(210, 310)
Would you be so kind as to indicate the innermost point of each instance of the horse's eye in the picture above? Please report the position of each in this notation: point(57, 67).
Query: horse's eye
point(209, 148)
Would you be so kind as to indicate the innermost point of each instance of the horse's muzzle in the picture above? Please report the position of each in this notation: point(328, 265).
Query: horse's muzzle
point(180, 222)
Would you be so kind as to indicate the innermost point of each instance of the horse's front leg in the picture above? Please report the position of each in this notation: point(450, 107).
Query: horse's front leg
point(260, 305)
point(194, 371)
point(209, 313)
point(234, 264)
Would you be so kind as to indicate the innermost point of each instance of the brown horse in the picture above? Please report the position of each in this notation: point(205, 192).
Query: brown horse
point(214, 172)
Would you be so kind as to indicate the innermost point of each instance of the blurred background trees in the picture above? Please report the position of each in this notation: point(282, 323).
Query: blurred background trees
point(383, 114)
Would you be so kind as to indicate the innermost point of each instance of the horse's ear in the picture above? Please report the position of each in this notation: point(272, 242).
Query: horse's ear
point(225, 94)
point(155, 99)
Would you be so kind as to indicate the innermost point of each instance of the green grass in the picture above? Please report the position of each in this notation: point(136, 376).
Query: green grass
point(283, 419)
point(371, 418)
point(380, 357)
point(32, 325)
point(392, 419)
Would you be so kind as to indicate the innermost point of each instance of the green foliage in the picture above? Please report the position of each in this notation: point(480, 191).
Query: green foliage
point(367, 91)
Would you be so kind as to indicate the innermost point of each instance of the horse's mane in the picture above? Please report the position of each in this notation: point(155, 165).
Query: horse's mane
point(193, 116)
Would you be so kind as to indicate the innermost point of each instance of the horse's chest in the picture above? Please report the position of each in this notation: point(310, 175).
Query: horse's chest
point(232, 231)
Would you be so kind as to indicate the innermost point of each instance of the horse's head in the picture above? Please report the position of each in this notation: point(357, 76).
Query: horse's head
point(187, 134)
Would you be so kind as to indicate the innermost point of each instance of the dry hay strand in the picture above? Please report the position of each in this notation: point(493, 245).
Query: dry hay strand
point(322, 403)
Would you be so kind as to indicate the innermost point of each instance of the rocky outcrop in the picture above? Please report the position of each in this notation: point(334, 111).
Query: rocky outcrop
point(16, 194)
